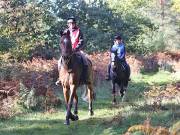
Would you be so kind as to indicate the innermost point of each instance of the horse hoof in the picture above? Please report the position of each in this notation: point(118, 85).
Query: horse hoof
point(74, 118)
point(67, 122)
point(76, 112)
point(57, 83)
point(91, 113)
point(114, 102)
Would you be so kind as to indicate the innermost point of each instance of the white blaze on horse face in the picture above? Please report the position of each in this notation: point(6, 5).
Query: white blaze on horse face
point(71, 25)
point(112, 64)
point(65, 40)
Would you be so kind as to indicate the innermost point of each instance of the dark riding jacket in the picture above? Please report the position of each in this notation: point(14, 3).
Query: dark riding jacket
point(119, 50)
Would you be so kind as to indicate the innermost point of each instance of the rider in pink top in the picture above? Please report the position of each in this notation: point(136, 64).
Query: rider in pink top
point(77, 44)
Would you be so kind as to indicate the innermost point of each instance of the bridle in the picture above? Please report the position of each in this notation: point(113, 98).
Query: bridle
point(67, 59)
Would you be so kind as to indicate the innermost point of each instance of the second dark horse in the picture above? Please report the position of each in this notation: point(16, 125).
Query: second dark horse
point(119, 74)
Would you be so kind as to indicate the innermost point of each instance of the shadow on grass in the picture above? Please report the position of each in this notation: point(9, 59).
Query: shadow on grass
point(54, 127)
point(111, 125)
point(116, 124)
point(164, 115)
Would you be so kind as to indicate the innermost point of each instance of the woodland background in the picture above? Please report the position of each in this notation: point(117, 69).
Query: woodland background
point(31, 103)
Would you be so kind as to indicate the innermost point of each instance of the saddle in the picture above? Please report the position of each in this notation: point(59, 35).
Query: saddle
point(123, 66)
point(84, 61)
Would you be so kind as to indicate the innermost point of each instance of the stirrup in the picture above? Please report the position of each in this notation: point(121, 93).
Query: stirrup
point(58, 82)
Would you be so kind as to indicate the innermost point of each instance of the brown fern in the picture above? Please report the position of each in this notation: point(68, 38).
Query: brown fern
point(147, 129)
point(175, 129)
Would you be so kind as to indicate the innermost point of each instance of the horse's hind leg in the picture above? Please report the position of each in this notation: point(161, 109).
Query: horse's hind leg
point(75, 104)
point(122, 90)
point(90, 96)
point(85, 94)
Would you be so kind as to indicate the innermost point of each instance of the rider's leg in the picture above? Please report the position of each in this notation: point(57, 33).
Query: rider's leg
point(128, 71)
point(112, 58)
point(85, 68)
point(108, 72)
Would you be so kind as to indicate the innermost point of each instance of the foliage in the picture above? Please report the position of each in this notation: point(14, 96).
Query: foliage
point(167, 22)
point(28, 25)
point(27, 97)
point(22, 23)
point(5, 44)
point(176, 5)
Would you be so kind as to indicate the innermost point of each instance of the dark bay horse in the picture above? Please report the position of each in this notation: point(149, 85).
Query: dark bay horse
point(70, 76)
point(119, 74)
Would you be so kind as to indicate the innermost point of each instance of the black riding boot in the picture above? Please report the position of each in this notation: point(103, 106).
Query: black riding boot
point(108, 73)
point(129, 72)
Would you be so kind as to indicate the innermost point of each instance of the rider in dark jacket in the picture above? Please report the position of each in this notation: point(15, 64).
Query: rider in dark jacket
point(118, 49)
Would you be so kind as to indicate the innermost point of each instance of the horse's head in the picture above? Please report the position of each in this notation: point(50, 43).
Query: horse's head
point(118, 65)
point(65, 44)
point(114, 60)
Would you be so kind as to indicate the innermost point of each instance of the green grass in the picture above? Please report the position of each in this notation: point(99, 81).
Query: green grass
point(108, 119)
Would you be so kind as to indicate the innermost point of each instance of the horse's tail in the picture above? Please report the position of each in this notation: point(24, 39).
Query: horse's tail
point(93, 93)
point(89, 62)
point(85, 94)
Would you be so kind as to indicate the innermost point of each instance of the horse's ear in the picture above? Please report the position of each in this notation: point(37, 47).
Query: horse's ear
point(68, 33)
point(61, 33)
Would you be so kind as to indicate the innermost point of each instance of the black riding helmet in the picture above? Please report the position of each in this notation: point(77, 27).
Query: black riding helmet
point(71, 19)
point(118, 37)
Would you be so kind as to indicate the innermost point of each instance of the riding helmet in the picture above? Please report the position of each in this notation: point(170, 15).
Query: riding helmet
point(118, 37)
point(71, 19)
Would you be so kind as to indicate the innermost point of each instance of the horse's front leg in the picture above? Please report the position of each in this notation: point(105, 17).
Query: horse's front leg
point(90, 96)
point(66, 98)
point(113, 92)
point(69, 115)
point(124, 89)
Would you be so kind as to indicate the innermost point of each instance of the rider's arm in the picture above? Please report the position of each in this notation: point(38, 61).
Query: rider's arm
point(113, 49)
point(121, 51)
point(81, 41)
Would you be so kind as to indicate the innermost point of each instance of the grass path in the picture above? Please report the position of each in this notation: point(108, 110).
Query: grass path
point(108, 119)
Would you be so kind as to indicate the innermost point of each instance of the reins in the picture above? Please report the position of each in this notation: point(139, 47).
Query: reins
point(67, 58)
